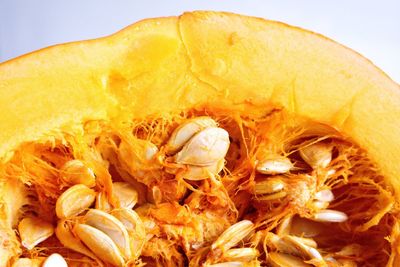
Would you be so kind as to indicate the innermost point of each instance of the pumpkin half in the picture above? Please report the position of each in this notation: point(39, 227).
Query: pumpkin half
point(204, 139)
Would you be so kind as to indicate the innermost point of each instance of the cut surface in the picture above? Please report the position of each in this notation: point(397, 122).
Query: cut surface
point(276, 90)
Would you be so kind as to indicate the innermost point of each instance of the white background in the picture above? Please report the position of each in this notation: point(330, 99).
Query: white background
point(369, 27)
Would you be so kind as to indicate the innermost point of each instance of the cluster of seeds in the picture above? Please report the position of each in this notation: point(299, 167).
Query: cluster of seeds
point(112, 233)
point(204, 196)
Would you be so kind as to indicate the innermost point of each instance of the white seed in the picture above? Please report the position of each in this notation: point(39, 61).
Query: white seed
point(74, 200)
point(102, 202)
point(277, 165)
point(204, 148)
point(125, 194)
point(271, 197)
point(65, 236)
point(314, 254)
point(186, 131)
point(321, 205)
point(100, 243)
point(76, 172)
point(268, 186)
point(317, 155)
point(197, 173)
point(325, 195)
point(285, 226)
point(330, 216)
point(241, 254)
point(135, 227)
point(306, 228)
point(302, 249)
point(277, 243)
point(110, 226)
point(137, 156)
point(55, 260)
point(33, 231)
point(306, 241)
point(233, 235)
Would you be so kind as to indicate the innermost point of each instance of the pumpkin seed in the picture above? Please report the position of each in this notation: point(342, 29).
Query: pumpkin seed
point(303, 240)
point(186, 131)
point(102, 202)
point(300, 244)
point(324, 195)
point(196, 173)
point(33, 231)
point(274, 196)
point(284, 228)
point(76, 172)
point(277, 259)
point(275, 165)
point(137, 156)
point(268, 186)
point(100, 243)
point(125, 194)
point(320, 205)
point(305, 228)
point(66, 237)
point(204, 148)
point(317, 155)
point(55, 260)
point(110, 226)
point(233, 235)
point(135, 227)
point(241, 254)
point(74, 200)
point(330, 216)
point(277, 243)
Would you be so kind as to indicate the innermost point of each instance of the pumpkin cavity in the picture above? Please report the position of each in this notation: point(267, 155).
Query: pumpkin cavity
point(306, 193)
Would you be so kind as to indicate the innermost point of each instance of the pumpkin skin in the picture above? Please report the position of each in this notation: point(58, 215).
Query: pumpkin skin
point(202, 59)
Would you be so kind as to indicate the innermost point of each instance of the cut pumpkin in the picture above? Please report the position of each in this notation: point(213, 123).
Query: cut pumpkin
point(114, 102)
